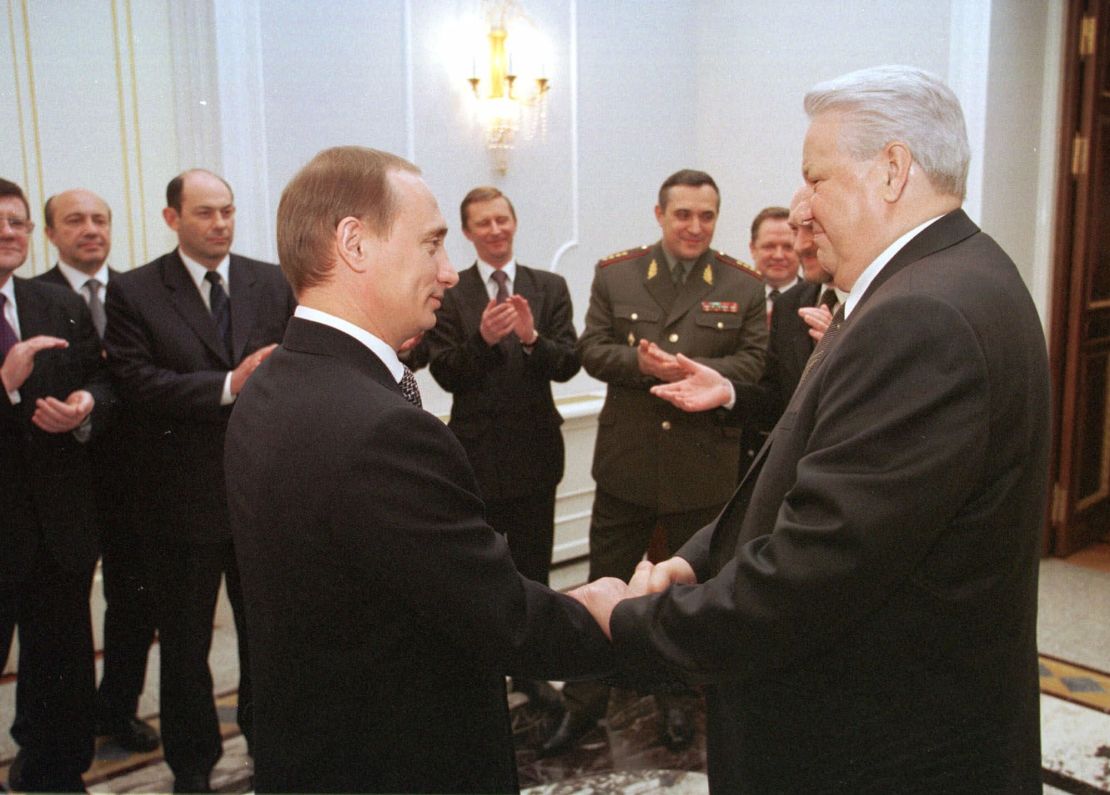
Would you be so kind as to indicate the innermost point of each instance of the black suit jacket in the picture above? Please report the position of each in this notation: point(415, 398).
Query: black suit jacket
point(111, 450)
point(759, 406)
point(168, 364)
point(47, 489)
point(867, 617)
point(503, 411)
point(384, 611)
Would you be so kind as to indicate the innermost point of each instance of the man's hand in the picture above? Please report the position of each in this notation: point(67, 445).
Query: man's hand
point(817, 318)
point(656, 362)
point(525, 326)
point(701, 388)
point(249, 364)
point(54, 416)
point(670, 572)
point(600, 597)
point(20, 361)
point(498, 321)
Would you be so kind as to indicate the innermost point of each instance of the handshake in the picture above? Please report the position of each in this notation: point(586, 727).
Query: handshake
point(601, 596)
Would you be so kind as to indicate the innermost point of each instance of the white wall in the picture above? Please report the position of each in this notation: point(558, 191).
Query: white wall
point(119, 95)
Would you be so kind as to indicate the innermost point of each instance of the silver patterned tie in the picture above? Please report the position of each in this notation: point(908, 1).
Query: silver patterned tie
point(409, 388)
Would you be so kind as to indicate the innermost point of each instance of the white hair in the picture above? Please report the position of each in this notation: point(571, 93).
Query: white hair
point(900, 103)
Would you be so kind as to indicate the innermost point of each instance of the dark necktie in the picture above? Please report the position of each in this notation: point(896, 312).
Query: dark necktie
point(96, 306)
point(678, 273)
point(823, 346)
point(828, 299)
point(8, 337)
point(502, 280)
point(221, 308)
point(771, 298)
point(409, 389)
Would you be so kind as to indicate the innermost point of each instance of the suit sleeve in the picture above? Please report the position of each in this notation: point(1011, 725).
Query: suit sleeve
point(746, 363)
point(137, 374)
point(604, 357)
point(898, 444)
point(555, 357)
point(431, 547)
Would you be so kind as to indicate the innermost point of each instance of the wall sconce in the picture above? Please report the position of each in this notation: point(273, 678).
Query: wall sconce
point(507, 101)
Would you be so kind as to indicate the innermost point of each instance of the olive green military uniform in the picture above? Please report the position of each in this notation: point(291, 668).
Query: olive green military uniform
point(654, 464)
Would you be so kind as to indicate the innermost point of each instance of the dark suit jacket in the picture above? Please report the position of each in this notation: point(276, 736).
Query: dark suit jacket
point(168, 363)
point(384, 611)
point(759, 406)
point(111, 450)
point(502, 411)
point(47, 489)
point(718, 317)
point(867, 616)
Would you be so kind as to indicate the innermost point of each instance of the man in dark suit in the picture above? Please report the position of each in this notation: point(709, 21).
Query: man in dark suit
point(773, 254)
point(79, 224)
point(655, 466)
point(185, 332)
point(379, 664)
point(865, 607)
point(757, 407)
point(487, 350)
point(56, 398)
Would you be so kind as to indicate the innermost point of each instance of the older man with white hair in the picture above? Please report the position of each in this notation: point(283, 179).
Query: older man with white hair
point(864, 609)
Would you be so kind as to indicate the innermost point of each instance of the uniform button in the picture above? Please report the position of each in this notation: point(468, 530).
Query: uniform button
point(720, 324)
point(673, 338)
point(635, 316)
point(665, 425)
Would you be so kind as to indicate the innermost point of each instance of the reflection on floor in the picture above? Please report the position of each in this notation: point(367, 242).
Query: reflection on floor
point(624, 756)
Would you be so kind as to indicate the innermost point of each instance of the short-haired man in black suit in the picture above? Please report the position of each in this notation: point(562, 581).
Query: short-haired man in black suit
point(56, 397)
point(79, 224)
point(185, 332)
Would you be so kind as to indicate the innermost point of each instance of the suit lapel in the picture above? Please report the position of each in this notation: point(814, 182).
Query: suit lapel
point(472, 297)
point(657, 279)
point(695, 288)
point(186, 301)
point(244, 305)
point(33, 311)
point(527, 287)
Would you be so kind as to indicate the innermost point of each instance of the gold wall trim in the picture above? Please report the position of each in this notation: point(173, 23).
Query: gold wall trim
point(138, 138)
point(18, 96)
point(123, 136)
point(34, 125)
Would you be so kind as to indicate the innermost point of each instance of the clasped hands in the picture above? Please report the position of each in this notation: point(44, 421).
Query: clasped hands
point(601, 596)
point(51, 414)
point(513, 315)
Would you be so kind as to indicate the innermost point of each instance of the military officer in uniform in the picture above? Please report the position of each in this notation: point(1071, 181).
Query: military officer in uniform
point(656, 466)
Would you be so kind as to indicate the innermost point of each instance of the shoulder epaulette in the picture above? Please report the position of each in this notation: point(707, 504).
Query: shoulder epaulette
point(621, 256)
point(740, 265)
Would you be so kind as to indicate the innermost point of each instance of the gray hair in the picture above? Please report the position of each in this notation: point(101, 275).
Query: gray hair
point(900, 103)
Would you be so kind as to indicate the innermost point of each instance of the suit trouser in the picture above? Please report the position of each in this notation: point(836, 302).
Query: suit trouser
point(186, 579)
point(620, 532)
point(128, 617)
point(56, 684)
point(528, 524)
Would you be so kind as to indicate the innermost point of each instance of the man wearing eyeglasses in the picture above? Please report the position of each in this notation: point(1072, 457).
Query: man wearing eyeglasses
point(56, 397)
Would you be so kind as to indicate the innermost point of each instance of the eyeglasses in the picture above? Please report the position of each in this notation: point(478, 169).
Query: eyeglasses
point(22, 226)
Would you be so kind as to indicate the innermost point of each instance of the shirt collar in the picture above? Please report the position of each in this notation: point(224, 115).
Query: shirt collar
point(78, 278)
point(198, 271)
point(9, 290)
point(768, 288)
point(486, 270)
point(379, 348)
point(877, 265)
